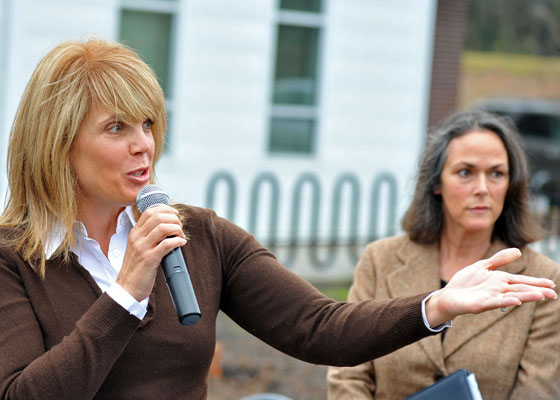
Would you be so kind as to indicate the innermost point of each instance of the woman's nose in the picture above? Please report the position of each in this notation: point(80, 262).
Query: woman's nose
point(481, 184)
point(140, 141)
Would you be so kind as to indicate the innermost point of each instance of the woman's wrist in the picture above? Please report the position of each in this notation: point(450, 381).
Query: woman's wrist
point(437, 312)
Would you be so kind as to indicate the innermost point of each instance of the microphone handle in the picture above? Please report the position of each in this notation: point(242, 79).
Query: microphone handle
point(180, 287)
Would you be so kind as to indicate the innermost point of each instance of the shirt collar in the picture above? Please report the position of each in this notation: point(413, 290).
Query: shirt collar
point(55, 239)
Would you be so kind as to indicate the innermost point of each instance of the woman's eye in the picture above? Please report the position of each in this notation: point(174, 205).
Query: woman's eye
point(463, 172)
point(147, 124)
point(115, 128)
point(497, 174)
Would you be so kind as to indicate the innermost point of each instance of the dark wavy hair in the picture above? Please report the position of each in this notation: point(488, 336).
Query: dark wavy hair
point(423, 221)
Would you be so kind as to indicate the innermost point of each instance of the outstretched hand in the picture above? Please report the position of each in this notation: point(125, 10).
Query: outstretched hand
point(479, 287)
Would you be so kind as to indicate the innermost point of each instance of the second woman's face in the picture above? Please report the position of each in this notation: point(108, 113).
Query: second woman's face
point(111, 160)
point(474, 181)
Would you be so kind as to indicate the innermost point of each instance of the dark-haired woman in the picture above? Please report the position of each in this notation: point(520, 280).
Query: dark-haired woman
point(471, 200)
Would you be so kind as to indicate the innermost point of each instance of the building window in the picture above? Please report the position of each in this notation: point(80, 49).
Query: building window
point(292, 135)
point(293, 118)
point(147, 26)
point(295, 77)
point(150, 34)
point(301, 5)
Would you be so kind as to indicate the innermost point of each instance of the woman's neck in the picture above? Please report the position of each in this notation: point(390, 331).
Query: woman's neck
point(100, 225)
point(458, 249)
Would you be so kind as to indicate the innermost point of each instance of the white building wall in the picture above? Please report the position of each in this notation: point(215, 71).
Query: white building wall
point(222, 81)
point(374, 82)
point(373, 105)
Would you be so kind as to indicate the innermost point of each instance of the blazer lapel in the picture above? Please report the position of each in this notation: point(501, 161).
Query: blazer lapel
point(419, 273)
point(465, 327)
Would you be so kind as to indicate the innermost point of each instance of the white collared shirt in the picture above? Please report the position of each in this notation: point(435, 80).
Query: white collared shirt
point(104, 270)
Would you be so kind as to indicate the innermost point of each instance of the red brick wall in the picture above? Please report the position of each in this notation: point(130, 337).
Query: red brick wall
point(449, 36)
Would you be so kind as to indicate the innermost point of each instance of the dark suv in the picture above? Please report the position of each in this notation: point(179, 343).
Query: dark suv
point(538, 122)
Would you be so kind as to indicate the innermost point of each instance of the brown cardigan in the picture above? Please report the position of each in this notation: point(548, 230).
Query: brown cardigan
point(514, 355)
point(61, 338)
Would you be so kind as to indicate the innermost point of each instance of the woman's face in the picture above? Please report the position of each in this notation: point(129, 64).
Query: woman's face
point(474, 182)
point(111, 160)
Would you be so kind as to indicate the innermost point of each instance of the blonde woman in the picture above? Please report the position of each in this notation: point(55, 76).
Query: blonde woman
point(84, 309)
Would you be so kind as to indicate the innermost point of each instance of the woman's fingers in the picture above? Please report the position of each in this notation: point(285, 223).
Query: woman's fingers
point(507, 256)
point(515, 299)
point(479, 287)
point(516, 290)
point(154, 216)
point(158, 223)
point(158, 227)
point(526, 281)
point(502, 258)
point(157, 232)
point(161, 232)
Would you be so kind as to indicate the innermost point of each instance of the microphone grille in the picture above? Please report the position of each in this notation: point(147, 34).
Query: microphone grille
point(151, 195)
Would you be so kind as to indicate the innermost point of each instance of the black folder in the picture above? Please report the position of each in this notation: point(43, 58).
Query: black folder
point(460, 385)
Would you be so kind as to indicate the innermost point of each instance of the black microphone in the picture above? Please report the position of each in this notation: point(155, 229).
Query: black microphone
point(174, 267)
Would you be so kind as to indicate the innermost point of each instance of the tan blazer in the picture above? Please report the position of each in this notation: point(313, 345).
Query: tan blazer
point(514, 355)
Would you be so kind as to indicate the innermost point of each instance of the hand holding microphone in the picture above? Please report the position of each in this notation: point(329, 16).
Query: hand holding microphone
point(174, 267)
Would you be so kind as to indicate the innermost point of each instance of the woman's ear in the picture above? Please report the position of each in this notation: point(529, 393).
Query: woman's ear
point(437, 190)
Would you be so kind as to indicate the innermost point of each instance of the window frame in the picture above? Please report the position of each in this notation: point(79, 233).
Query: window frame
point(170, 7)
point(305, 19)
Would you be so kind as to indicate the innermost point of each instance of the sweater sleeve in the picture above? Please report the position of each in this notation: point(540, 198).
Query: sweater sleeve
point(74, 368)
point(275, 305)
point(356, 382)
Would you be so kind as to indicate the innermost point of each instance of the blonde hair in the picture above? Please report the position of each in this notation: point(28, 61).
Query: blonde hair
point(70, 81)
